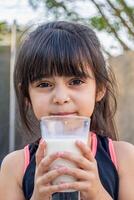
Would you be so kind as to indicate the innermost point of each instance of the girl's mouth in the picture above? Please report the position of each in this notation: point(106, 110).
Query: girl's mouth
point(64, 113)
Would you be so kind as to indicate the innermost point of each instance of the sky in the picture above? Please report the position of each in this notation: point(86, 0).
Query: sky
point(20, 11)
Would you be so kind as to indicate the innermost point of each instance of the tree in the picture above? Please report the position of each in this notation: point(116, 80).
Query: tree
point(4, 28)
point(114, 17)
point(5, 32)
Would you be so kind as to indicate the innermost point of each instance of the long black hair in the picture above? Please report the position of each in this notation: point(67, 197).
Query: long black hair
point(64, 49)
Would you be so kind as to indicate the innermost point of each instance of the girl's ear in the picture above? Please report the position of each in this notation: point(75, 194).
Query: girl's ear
point(100, 94)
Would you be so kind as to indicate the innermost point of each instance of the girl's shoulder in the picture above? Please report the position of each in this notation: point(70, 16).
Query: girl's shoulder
point(125, 161)
point(13, 165)
point(11, 174)
point(124, 154)
point(19, 159)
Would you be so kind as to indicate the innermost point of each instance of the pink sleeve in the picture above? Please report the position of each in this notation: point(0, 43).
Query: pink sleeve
point(112, 153)
point(26, 157)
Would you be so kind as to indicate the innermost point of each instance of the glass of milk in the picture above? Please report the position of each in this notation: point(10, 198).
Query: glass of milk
point(60, 134)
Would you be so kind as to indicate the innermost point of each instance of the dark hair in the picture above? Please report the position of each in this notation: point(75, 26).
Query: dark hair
point(64, 48)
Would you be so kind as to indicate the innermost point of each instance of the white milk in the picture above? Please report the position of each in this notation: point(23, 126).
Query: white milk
point(60, 145)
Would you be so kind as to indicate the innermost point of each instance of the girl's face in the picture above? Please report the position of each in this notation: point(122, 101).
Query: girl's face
point(59, 95)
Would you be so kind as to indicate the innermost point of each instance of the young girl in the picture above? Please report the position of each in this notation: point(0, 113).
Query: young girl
point(60, 71)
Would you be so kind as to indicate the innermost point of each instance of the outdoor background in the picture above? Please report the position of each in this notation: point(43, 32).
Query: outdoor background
point(113, 22)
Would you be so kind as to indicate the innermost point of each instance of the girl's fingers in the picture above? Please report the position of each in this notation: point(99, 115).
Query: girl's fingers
point(51, 175)
point(78, 186)
point(40, 152)
point(86, 150)
point(46, 162)
point(78, 174)
point(51, 189)
point(80, 161)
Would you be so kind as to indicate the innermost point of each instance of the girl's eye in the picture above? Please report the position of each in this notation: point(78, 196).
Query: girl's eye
point(44, 85)
point(76, 82)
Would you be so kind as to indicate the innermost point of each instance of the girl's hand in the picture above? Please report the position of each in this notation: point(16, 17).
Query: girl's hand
point(88, 181)
point(43, 189)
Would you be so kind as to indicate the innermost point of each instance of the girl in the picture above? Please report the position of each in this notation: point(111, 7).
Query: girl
point(60, 70)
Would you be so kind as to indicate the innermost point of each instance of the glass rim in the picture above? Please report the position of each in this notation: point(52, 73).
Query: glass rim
point(64, 117)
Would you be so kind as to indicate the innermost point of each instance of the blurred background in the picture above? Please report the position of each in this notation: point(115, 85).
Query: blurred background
point(113, 22)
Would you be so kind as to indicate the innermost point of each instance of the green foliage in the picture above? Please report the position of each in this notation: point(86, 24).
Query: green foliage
point(98, 22)
point(126, 7)
point(3, 27)
point(52, 4)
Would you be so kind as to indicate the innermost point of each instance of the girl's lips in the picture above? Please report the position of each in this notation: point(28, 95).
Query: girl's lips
point(64, 113)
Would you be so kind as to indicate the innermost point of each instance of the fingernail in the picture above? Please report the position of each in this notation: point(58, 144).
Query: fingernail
point(42, 141)
point(62, 169)
point(66, 153)
point(63, 186)
point(59, 154)
point(79, 142)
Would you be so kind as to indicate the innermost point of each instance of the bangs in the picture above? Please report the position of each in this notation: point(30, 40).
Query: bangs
point(57, 52)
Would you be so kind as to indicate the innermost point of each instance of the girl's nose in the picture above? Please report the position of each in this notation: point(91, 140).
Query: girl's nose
point(61, 94)
point(61, 100)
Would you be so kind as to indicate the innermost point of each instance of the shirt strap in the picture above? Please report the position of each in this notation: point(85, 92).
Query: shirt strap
point(110, 146)
point(93, 143)
point(112, 153)
point(26, 157)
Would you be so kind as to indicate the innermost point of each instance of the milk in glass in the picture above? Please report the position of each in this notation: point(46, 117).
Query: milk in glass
point(61, 145)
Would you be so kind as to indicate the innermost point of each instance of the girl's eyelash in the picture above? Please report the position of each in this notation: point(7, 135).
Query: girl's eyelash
point(44, 84)
point(76, 81)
